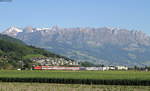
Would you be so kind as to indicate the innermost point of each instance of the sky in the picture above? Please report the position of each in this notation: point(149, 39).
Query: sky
point(128, 14)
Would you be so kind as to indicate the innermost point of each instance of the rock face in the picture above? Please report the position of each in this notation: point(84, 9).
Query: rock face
point(109, 46)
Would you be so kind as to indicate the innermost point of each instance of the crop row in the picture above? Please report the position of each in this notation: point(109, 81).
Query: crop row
point(78, 81)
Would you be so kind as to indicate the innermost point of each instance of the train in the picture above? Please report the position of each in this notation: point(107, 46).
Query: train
point(79, 68)
point(67, 68)
point(55, 68)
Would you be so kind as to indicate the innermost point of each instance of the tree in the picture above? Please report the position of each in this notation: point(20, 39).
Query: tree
point(1, 52)
point(86, 64)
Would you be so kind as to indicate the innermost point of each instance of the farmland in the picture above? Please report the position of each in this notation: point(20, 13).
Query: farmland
point(67, 87)
point(77, 77)
point(133, 75)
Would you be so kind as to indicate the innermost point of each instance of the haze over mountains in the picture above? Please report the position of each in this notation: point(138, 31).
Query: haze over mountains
point(109, 46)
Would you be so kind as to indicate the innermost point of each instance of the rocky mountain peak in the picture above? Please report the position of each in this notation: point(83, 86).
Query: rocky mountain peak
point(12, 31)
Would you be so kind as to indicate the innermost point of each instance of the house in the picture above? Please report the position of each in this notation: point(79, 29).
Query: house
point(121, 67)
point(105, 68)
point(112, 67)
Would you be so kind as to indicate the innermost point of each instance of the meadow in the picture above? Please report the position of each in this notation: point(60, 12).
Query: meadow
point(133, 75)
point(77, 77)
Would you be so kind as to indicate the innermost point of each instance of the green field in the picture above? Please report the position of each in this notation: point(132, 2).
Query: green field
point(67, 87)
point(78, 77)
point(134, 75)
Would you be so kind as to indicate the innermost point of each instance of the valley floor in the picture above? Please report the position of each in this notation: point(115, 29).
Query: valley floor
point(67, 87)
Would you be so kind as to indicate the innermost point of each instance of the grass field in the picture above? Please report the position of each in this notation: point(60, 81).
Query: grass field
point(134, 75)
point(67, 87)
point(77, 77)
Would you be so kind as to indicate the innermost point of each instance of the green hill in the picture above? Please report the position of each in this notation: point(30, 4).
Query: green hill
point(14, 53)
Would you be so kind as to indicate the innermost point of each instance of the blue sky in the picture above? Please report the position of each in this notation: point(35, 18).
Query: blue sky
point(129, 14)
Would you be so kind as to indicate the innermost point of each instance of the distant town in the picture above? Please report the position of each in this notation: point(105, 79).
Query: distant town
point(45, 63)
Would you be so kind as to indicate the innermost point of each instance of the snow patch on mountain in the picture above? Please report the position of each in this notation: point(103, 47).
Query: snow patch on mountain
point(12, 31)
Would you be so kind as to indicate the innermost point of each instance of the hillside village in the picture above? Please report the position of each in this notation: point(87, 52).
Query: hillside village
point(47, 61)
point(54, 62)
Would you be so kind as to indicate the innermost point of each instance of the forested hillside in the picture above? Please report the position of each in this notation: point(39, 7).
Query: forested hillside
point(14, 53)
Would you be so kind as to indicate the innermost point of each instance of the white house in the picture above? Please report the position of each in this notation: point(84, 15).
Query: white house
point(122, 68)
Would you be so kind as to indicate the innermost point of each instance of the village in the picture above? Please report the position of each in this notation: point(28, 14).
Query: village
point(47, 61)
point(62, 64)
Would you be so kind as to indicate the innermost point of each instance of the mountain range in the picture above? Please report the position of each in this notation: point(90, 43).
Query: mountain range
point(105, 45)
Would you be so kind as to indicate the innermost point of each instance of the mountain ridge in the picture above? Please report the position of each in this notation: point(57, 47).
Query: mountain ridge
point(98, 45)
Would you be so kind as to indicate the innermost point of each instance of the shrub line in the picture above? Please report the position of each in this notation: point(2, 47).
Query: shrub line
point(78, 81)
